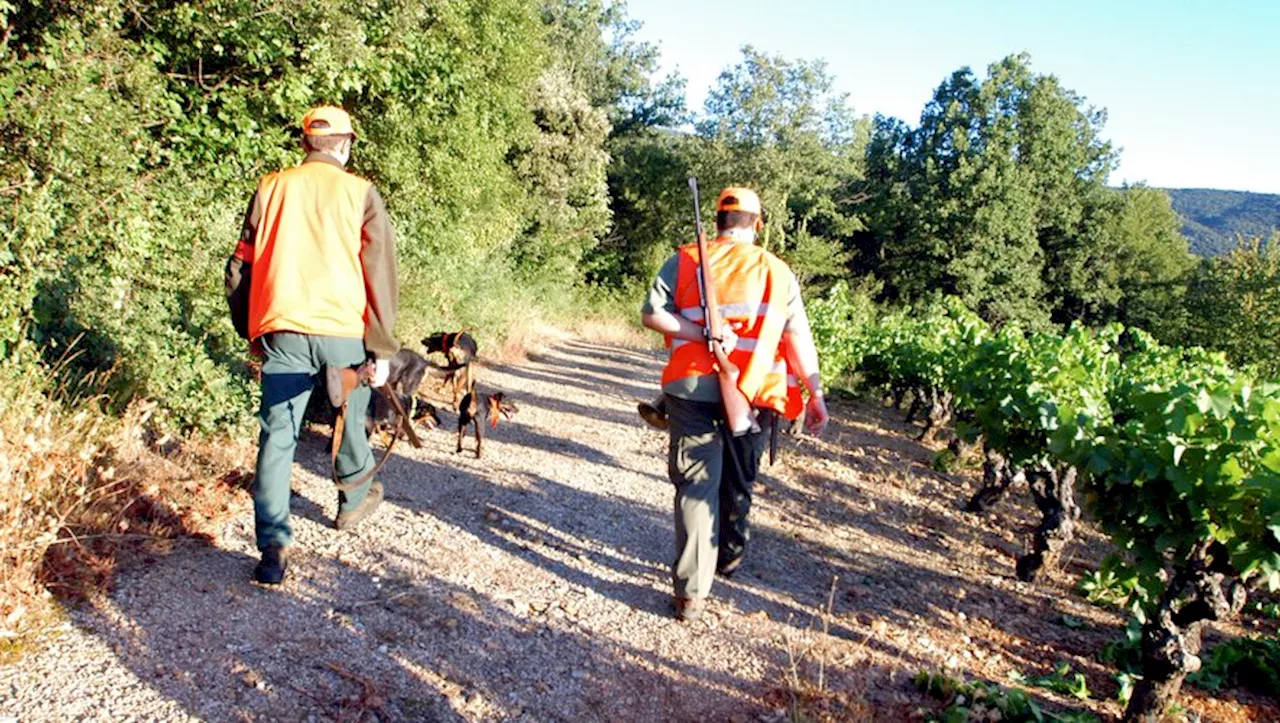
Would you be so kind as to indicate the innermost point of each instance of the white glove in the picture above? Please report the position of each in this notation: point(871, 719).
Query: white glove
point(381, 370)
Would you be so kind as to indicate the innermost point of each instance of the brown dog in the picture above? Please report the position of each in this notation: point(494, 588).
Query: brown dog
point(479, 408)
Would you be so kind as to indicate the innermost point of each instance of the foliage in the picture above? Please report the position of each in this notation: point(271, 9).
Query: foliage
point(1125, 654)
point(1233, 305)
point(1250, 662)
point(1038, 397)
point(979, 700)
point(1062, 680)
point(1179, 453)
point(839, 322)
point(136, 132)
point(1191, 462)
point(1113, 583)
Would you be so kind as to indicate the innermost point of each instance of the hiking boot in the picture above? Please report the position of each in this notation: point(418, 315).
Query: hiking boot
point(689, 609)
point(270, 569)
point(727, 569)
point(351, 518)
point(651, 413)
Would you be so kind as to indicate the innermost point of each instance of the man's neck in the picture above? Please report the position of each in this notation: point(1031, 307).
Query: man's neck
point(325, 157)
point(739, 235)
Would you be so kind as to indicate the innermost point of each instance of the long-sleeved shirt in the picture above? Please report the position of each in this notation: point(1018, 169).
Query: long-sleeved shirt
point(377, 260)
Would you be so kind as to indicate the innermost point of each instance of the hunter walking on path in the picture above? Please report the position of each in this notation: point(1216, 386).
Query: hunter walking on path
point(312, 284)
point(767, 335)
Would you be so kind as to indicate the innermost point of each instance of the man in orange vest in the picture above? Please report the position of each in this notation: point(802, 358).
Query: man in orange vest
point(312, 284)
point(768, 338)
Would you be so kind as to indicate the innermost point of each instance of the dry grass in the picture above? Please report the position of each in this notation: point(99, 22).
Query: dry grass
point(615, 332)
point(806, 695)
point(79, 488)
point(531, 334)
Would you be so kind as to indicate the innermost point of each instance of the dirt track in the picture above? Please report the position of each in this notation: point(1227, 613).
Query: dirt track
point(534, 584)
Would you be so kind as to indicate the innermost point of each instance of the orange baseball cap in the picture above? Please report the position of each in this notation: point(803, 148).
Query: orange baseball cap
point(327, 120)
point(737, 198)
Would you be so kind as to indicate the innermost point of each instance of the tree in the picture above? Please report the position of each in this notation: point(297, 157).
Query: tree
point(1233, 305)
point(1152, 264)
point(998, 196)
point(596, 44)
point(779, 126)
point(773, 124)
point(563, 169)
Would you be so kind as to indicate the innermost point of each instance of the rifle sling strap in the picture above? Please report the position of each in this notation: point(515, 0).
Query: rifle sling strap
point(403, 422)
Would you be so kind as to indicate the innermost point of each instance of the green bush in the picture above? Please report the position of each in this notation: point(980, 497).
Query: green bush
point(132, 148)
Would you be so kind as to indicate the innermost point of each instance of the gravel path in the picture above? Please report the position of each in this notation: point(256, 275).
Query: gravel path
point(534, 584)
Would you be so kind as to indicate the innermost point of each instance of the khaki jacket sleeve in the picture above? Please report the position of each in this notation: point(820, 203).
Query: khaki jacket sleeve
point(237, 277)
point(382, 287)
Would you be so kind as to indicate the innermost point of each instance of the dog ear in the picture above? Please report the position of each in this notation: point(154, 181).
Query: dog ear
point(507, 408)
point(495, 409)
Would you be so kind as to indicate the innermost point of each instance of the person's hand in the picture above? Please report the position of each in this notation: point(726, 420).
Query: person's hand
point(815, 415)
point(728, 339)
point(381, 370)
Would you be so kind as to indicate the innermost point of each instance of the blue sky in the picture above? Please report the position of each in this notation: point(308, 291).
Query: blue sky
point(1191, 87)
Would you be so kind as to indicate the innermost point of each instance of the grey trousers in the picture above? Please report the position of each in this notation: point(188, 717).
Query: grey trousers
point(713, 475)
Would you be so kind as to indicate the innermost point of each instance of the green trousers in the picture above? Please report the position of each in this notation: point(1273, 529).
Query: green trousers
point(713, 474)
point(293, 364)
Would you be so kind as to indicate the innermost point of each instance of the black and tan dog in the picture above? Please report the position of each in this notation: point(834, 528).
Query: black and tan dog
point(459, 349)
point(382, 417)
point(479, 408)
point(407, 369)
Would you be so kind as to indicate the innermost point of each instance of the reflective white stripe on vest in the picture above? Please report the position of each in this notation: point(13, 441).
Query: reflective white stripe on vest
point(742, 345)
point(729, 311)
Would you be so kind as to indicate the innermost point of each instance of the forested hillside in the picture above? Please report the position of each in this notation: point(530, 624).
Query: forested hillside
point(1213, 219)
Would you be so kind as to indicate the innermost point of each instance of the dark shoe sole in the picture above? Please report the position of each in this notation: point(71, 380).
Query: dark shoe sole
point(348, 520)
point(268, 574)
point(726, 570)
point(651, 415)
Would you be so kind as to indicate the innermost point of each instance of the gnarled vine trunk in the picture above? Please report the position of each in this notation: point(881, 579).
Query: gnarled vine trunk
point(918, 396)
point(1054, 489)
point(899, 394)
point(997, 477)
point(1203, 588)
point(939, 413)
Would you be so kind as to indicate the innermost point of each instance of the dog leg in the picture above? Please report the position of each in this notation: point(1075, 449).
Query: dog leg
point(479, 435)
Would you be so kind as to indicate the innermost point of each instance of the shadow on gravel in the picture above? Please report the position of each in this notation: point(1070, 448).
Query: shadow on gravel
point(597, 415)
point(397, 647)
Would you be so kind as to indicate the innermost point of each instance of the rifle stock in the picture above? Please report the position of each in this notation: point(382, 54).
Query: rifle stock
point(737, 408)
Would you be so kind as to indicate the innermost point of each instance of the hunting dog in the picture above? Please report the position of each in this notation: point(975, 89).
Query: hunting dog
point(459, 349)
point(479, 408)
point(403, 379)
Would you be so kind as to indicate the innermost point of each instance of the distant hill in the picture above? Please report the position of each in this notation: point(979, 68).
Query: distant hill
point(1212, 219)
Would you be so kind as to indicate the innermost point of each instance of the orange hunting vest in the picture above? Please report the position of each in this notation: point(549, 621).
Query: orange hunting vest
point(752, 286)
point(307, 276)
